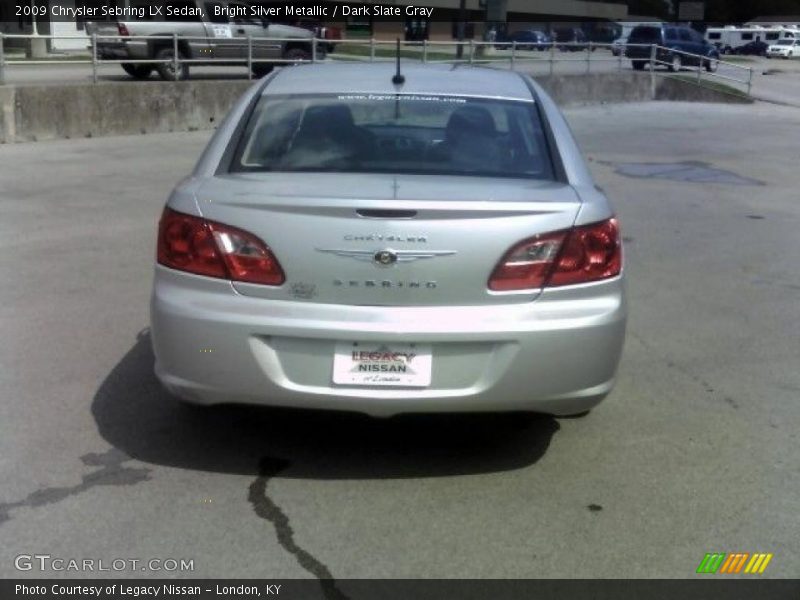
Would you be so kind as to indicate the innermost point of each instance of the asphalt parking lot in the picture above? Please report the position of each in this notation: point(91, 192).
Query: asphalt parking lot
point(695, 451)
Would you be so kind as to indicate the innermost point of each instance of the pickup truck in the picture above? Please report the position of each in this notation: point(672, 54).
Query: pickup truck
point(210, 35)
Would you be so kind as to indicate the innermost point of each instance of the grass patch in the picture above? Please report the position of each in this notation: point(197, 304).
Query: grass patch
point(353, 51)
point(713, 85)
point(737, 59)
point(384, 51)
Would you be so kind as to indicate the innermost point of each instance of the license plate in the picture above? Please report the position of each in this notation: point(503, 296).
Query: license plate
point(382, 364)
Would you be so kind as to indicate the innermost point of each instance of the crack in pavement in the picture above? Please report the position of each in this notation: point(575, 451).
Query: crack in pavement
point(112, 472)
point(267, 509)
point(681, 369)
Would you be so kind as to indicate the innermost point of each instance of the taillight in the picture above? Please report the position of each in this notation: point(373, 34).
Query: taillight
point(192, 244)
point(591, 253)
point(123, 29)
point(528, 264)
point(578, 255)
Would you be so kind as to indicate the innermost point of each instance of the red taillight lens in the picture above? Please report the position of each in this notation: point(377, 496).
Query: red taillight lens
point(591, 253)
point(122, 29)
point(528, 264)
point(578, 255)
point(192, 244)
point(248, 258)
point(187, 244)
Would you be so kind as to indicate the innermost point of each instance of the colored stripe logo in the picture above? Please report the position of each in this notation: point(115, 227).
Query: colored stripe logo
point(734, 563)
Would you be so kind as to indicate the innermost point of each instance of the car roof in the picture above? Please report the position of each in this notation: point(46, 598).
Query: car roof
point(376, 78)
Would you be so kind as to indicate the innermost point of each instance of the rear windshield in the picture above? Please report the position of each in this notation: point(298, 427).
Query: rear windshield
point(644, 34)
point(395, 133)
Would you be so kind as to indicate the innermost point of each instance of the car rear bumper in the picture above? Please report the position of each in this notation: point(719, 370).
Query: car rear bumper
point(557, 355)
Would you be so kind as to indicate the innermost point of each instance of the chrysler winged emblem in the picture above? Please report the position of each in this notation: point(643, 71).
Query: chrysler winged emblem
point(387, 257)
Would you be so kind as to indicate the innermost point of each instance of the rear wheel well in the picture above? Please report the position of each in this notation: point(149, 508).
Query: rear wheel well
point(183, 47)
point(305, 46)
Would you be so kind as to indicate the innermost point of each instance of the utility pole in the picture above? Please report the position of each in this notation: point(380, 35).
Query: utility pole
point(37, 46)
point(461, 27)
point(496, 14)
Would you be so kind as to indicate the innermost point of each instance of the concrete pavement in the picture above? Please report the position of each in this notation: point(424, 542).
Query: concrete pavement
point(695, 451)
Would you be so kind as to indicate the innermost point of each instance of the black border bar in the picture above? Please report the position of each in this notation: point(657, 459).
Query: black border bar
point(709, 587)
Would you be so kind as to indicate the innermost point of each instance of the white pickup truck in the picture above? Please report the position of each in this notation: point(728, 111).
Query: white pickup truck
point(210, 33)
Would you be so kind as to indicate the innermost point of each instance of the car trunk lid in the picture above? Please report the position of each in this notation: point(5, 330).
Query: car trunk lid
point(382, 239)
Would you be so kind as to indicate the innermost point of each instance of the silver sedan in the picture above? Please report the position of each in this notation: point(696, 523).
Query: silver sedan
point(354, 241)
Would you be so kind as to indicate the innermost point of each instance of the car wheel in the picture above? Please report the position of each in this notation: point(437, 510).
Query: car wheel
point(712, 64)
point(638, 64)
point(166, 70)
point(260, 71)
point(297, 54)
point(676, 64)
point(137, 71)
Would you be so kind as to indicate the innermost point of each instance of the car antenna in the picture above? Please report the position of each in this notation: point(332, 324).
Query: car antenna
point(399, 78)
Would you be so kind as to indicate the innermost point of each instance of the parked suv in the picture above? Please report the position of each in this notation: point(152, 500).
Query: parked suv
point(571, 39)
point(529, 39)
point(676, 47)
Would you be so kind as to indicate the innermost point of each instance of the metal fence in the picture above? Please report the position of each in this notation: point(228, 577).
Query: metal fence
point(549, 58)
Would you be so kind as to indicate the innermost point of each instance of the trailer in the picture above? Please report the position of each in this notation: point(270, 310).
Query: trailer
point(728, 39)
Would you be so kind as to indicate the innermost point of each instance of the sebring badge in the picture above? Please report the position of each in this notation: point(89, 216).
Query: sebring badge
point(387, 257)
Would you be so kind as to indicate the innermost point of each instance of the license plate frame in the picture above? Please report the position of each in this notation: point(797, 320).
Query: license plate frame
point(382, 364)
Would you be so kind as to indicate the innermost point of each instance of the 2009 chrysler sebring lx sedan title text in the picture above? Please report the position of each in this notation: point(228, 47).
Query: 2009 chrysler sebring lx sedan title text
point(351, 242)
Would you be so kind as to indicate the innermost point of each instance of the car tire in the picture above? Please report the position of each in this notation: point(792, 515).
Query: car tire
point(262, 70)
point(138, 71)
point(297, 54)
point(712, 64)
point(676, 64)
point(166, 71)
point(638, 64)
